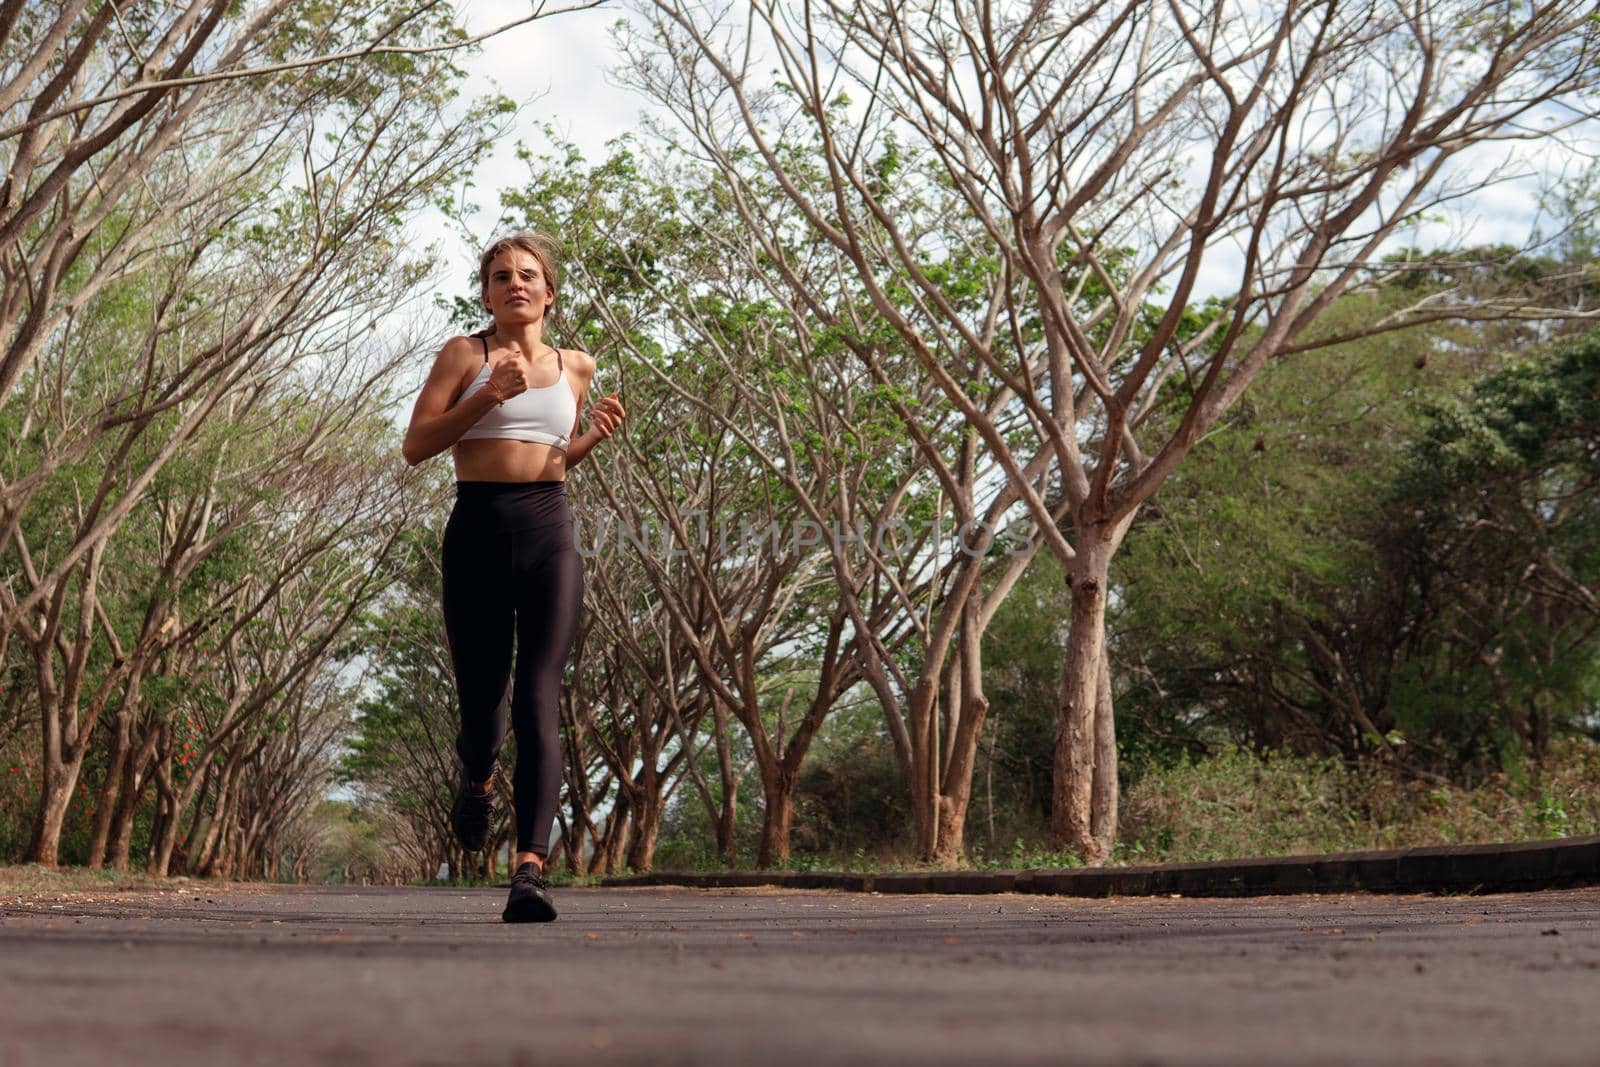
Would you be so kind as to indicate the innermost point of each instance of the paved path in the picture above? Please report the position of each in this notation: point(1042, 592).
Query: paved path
point(218, 976)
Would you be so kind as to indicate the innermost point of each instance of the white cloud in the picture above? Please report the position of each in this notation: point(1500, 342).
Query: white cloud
point(558, 71)
point(562, 66)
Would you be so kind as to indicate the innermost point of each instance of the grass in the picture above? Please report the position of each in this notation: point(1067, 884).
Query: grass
point(1236, 804)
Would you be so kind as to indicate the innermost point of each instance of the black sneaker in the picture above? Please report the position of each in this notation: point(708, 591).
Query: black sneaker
point(472, 815)
point(530, 897)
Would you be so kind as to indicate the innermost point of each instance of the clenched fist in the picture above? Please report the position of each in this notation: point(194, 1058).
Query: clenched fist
point(607, 414)
point(508, 375)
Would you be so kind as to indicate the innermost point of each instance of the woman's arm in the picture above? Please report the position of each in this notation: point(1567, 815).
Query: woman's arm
point(437, 422)
point(604, 417)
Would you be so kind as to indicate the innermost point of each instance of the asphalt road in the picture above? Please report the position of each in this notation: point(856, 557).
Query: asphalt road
point(212, 975)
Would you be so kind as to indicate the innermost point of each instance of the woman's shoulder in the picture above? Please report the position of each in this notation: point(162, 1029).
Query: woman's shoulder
point(581, 361)
point(460, 352)
point(470, 344)
point(458, 360)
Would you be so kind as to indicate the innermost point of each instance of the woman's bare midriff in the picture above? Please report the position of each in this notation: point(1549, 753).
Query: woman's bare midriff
point(493, 460)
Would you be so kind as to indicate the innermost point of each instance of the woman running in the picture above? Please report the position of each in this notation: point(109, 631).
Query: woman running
point(506, 404)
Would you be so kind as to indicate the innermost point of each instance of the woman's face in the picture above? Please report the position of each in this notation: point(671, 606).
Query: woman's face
point(517, 290)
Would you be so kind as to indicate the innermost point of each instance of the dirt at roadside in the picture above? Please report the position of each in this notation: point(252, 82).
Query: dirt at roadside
point(30, 881)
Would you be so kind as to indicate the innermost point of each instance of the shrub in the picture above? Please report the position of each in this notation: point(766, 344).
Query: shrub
point(1234, 803)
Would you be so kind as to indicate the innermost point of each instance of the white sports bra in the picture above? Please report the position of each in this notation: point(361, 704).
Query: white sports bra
point(543, 415)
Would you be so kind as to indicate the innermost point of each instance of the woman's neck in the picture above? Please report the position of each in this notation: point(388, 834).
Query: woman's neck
point(528, 336)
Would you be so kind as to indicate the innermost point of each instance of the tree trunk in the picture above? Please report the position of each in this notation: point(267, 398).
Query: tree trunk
point(612, 845)
point(210, 859)
point(110, 798)
point(491, 858)
point(776, 821)
point(922, 715)
point(616, 844)
point(957, 795)
point(164, 834)
point(66, 724)
point(574, 845)
point(231, 861)
point(571, 847)
point(134, 780)
point(952, 825)
point(176, 802)
point(58, 768)
point(646, 829)
point(55, 795)
point(727, 823)
point(969, 710)
point(1071, 809)
point(558, 846)
point(728, 816)
point(190, 801)
point(1103, 814)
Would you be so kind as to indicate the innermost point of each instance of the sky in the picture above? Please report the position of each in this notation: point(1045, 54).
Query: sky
point(559, 69)
point(556, 69)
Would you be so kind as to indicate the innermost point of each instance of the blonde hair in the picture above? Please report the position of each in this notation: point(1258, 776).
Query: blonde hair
point(537, 245)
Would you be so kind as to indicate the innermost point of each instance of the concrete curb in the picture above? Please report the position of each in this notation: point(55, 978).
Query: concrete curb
point(1512, 867)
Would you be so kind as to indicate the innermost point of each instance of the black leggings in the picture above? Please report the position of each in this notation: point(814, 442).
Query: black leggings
point(511, 567)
